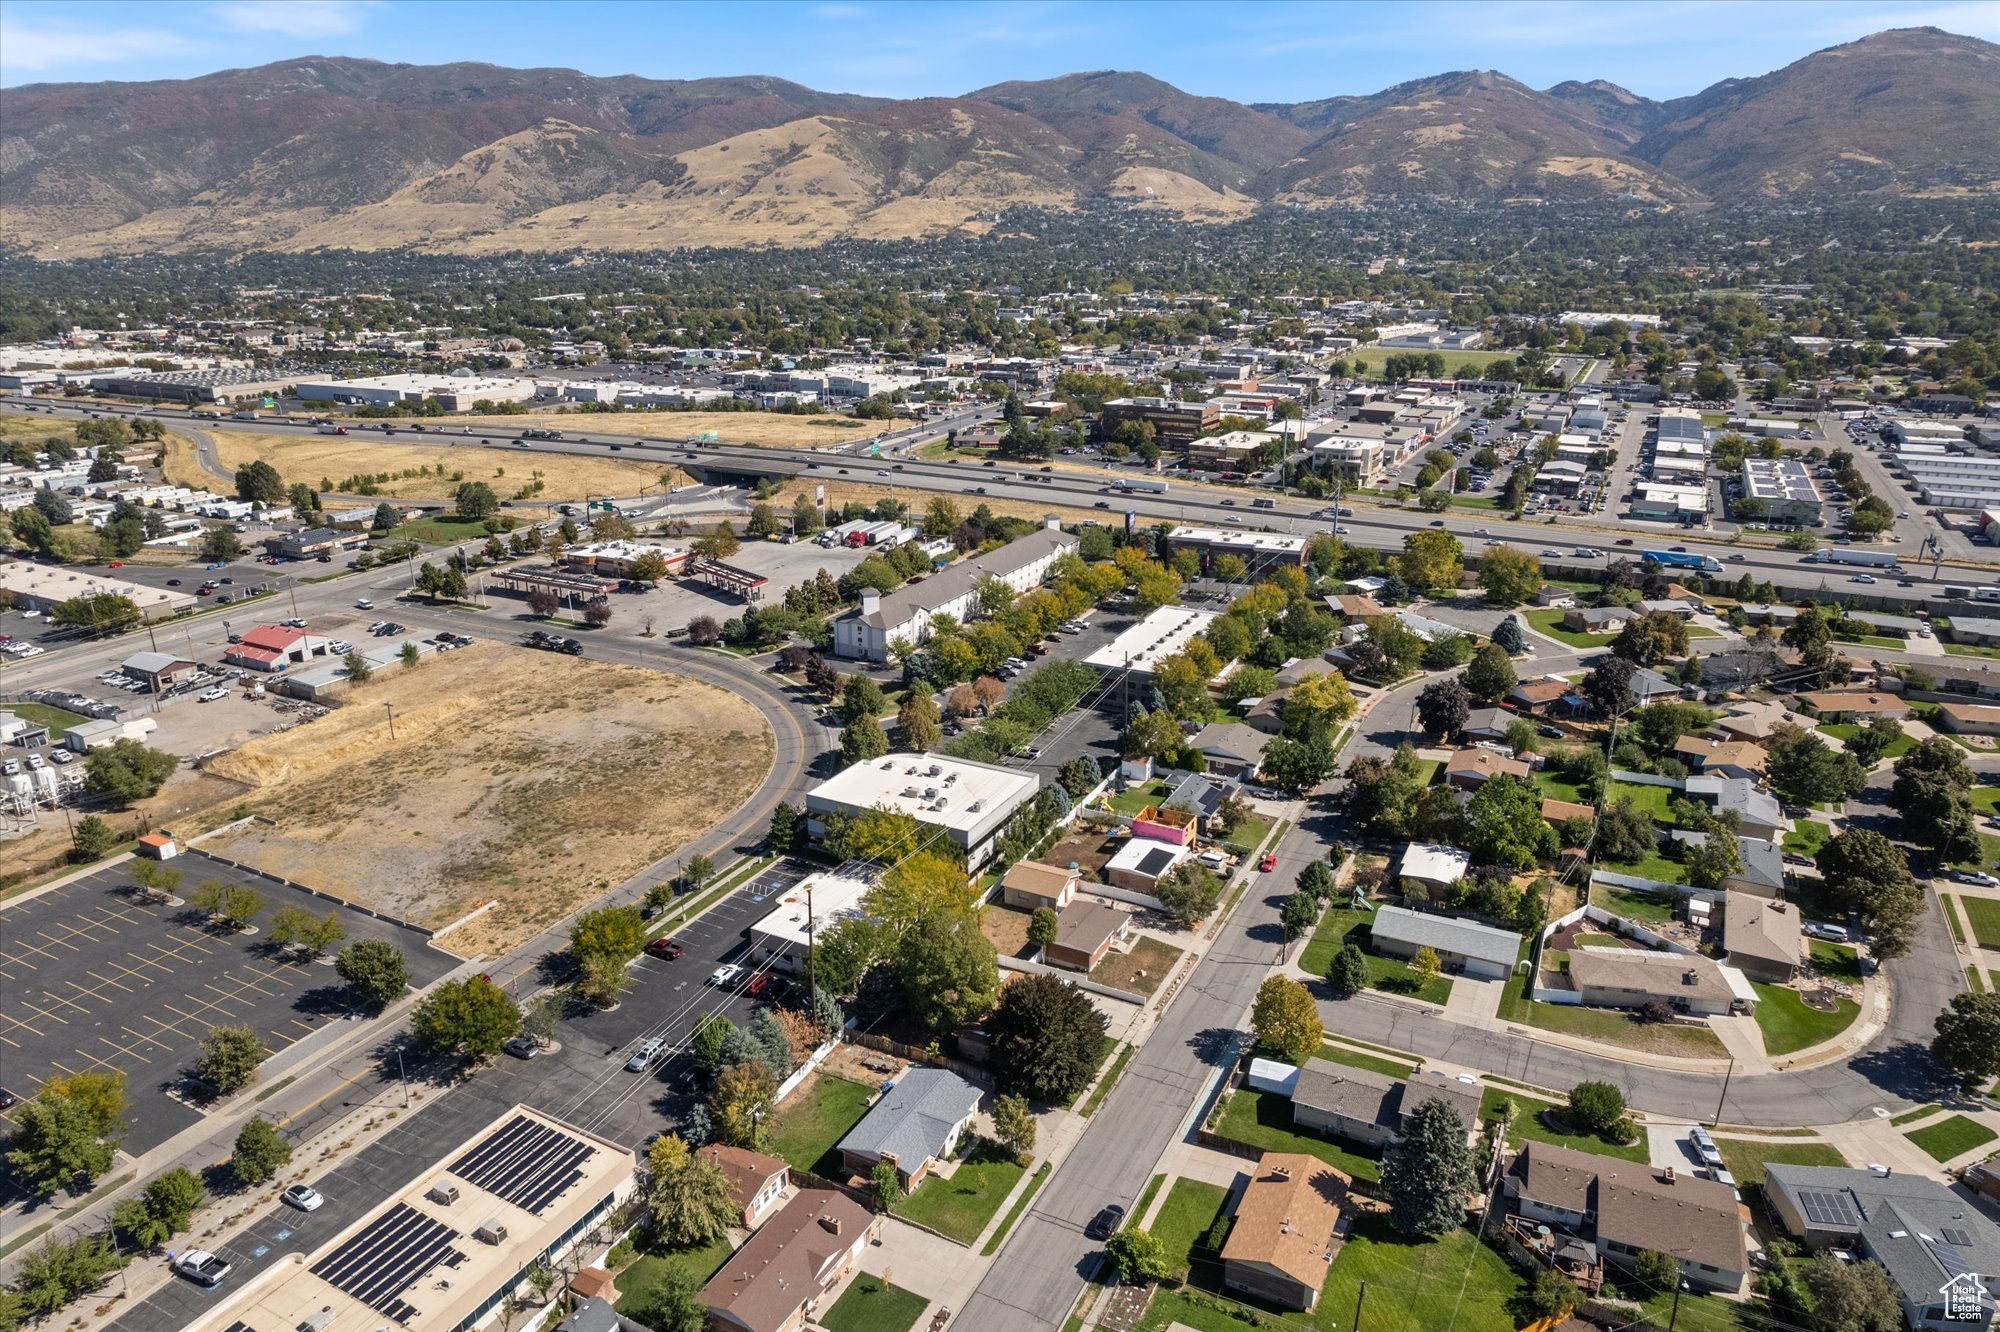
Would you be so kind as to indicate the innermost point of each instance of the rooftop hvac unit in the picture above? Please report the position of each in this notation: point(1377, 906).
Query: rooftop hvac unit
point(444, 1195)
point(493, 1232)
point(935, 769)
point(975, 806)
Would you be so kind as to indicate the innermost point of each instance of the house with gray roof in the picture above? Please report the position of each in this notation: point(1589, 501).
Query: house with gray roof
point(1652, 687)
point(916, 1123)
point(1934, 1243)
point(1365, 1106)
point(1461, 945)
point(1761, 867)
point(1488, 723)
point(1761, 814)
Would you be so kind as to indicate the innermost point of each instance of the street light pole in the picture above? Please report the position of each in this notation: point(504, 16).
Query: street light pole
point(1717, 1121)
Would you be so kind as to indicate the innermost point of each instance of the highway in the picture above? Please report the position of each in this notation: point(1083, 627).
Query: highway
point(1373, 526)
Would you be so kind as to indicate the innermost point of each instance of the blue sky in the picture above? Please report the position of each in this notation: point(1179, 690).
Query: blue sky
point(1245, 51)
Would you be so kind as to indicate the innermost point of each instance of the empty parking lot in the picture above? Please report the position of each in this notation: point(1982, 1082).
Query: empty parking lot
point(95, 978)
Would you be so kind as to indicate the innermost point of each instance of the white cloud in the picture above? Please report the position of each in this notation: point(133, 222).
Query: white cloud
point(31, 47)
point(292, 18)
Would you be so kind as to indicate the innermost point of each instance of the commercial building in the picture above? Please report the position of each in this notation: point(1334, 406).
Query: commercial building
point(272, 647)
point(1787, 490)
point(1145, 645)
point(1662, 502)
point(916, 1123)
point(1681, 424)
point(1685, 982)
point(1630, 1209)
point(1175, 424)
point(1237, 451)
point(906, 613)
point(1288, 1226)
point(782, 938)
point(780, 1275)
point(454, 392)
point(43, 587)
point(1261, 552)
point(160, 670)
point(1940, 1250)
point(1461, 945)
point(312, 543)
point(968, 802)
point(455, 1242)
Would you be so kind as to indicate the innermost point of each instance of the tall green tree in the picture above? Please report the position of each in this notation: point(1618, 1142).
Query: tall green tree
point(1968, 1038)
point(66, 1136)
point(1285, 1019)
point(1046, 1038)
point(261, 1152)
point(1428, 1175)
point(376, 970)
point(469, 1018)
point(693, 1204)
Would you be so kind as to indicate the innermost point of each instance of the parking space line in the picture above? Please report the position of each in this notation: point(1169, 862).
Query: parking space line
point(43, 1012)
point(154, 963)
point(140, 1036)
point(109, 980)
point(66, 1002)
point(125, 1050)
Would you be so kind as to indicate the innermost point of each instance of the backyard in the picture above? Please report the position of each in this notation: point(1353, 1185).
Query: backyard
point(639, 1284)
point(1264, 1119)
point(1337, 926)
point(960, 1207)
point(816, 1118)
point(1789, 1023)
point(1652, 799)
point(871, 1304)
point(1642, 907)
point(1550, 622)
point(1140, 969)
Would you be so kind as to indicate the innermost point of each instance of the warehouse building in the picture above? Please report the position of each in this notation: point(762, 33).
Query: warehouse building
point(41, 587)
point(966, 801)
point(453, 392)
point(1786, 489)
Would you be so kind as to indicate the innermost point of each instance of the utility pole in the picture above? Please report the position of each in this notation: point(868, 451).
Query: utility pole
point(812, 978)
point(1717, 1121)
point(390, 708)
point(1359, 1296)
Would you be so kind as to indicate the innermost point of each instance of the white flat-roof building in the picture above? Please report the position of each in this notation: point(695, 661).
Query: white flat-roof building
point(1259, 551)
point(1152, 640)
point(1681, 504)
point(906, 613)
point(1681, 423)
point(783, 938)
point(1952, 482)
point(1589, 319)
point(1786, 488)
point(968, 802)
point(455, 393)
point(41, 587)
point(446, 1248)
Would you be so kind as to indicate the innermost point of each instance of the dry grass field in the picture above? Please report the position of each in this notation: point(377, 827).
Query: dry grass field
point(314, 458)
point(780, 429)
point(537, 781)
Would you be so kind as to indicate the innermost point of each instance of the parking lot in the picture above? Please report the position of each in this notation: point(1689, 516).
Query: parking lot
point(97, 978)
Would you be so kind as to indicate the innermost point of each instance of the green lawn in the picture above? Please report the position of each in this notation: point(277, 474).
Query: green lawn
point(1951, 916)
point(1789, 1025)
point(1614, 1028)
point(961, 1206)
point(1384, 973)
point(1985, 799)
point(58, 720)
point(1650, 798)
point(1264, 1119)
point(1553, 787)
point(1746, 1160)
point(1340, 1054)
point(1953, 1137)
point(1655, 867)
point(1550, 622)
point(1131, 801)
point(1988, 857)
point(1845, 731)
point(639, 1283)
point(1912, 1116)
point(1646, 908)
point(999, 1235)
point(1452, 1282)
point(1427, 771)
point(1836, 961)
point(870, 1304)
point(444, 530)
point(1983, 915)
point(1528, 1126)
point(1807, 837)
point(809, 1125)
point(1190, 1209)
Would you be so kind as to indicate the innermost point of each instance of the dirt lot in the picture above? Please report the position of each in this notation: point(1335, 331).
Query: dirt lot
point(1007, 929)
point(1141, 968)
point(533, 780)
point(316, 458)
point(781, 429)
point(1090, 850)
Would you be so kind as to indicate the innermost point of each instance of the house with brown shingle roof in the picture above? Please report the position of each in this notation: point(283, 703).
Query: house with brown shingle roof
point(1555, 811)
point(759, 1180)
point(1287, 1229)
point(774, 1281)
point(1838, 705)
point(1470, 769)
point(1029, 884)
point(1631, 1207)
point(1761, 937)
point(1355, 607)
point(1730, 758)
point(1538, 696)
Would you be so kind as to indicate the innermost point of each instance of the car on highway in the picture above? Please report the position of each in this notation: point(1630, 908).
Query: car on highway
point(304, 1197)
point(664, 949)
point(1862, 578)
point(725, 974)
point(1622, 541)
point(201, 1267)
point(1552, 555)
point(645, 1054)
point(1105, 1224)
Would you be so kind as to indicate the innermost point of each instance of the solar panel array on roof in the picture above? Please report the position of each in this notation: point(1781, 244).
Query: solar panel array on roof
point(1155, 863)
point(1828, 1209)
point(1953, 1235)
point(389, 1255)
point(527, 1163)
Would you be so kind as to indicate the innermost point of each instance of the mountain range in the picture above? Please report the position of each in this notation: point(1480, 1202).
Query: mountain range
point(344, 153)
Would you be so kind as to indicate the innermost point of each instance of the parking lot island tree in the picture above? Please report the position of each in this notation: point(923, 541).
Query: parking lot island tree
point(375, 969)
